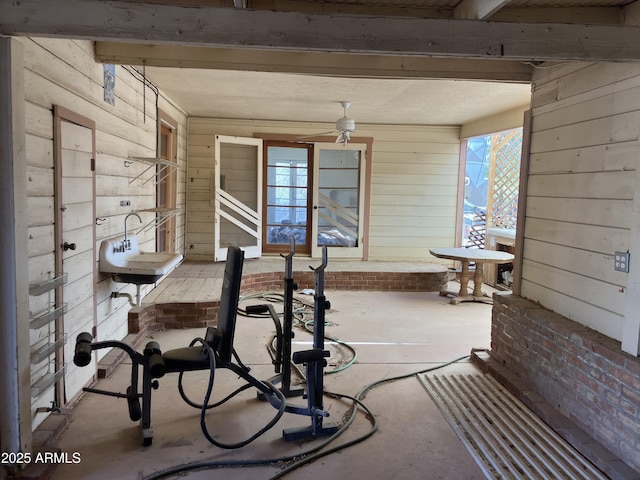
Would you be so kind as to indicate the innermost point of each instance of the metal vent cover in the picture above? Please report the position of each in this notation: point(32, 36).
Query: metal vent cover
point(505, 438)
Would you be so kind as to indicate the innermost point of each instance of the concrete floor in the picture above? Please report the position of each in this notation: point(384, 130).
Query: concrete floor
point(394, 333)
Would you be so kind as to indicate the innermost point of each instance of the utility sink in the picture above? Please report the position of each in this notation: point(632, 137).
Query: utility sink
point(125, 262)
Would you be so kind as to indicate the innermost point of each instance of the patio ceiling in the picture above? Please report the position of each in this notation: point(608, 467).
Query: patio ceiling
point(310, 98)
point(444, 62)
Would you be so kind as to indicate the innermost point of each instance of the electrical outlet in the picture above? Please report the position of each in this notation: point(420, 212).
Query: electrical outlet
point(125, 203)
point(622, 262)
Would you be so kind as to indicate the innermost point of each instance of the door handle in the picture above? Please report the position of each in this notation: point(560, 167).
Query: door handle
point(68, 246)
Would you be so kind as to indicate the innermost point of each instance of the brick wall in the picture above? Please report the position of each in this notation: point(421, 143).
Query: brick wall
point(583, 374)
point(203, 314)
point(372, 281)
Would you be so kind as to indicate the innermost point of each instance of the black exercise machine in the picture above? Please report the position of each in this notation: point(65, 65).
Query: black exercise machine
point(315, 362)
point(313, 359)
point(216, 351)
point(281, 358)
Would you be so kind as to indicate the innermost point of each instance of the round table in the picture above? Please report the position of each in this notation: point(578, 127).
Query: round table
point(466, 256)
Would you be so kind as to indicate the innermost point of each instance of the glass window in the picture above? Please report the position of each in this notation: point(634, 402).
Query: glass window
point(287, 195)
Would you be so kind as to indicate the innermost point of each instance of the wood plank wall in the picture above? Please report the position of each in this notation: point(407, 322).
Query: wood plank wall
point(414, 184)
point(584, 150)
point(64, 72)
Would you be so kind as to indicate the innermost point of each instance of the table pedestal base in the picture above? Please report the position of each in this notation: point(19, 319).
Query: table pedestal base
point(463, 294)
point(456, 298)
point(466, 256)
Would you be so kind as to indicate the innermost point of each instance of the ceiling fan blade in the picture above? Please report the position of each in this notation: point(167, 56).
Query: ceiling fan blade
point(344, 126)
point(302, 137)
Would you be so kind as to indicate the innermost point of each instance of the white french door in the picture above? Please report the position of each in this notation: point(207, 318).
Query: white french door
point(338, 199)
point(238, 195)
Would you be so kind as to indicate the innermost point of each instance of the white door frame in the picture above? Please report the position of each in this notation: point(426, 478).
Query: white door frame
point(339, 252)
point(252, 223)
point(83, 317)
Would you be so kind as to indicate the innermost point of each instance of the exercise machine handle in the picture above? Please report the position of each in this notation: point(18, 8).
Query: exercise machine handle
point(82, 355)
point(153, 357)
point(309, 356)
point(256, 309)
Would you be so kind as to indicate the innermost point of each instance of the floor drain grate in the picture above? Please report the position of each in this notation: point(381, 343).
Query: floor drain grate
point(505, 438)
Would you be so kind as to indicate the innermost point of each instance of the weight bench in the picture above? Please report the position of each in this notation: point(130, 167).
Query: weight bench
point(215, 350)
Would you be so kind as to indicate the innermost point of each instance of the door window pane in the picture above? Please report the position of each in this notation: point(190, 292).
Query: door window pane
point(239, 170)
point(287, 195)
point(338, 198)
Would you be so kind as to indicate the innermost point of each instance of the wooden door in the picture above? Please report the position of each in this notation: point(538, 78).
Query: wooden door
point(75, 238)
point(287, 197)
point(166, 185)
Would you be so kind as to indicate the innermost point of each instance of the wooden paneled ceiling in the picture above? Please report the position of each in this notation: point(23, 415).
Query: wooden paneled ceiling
point(420, 61)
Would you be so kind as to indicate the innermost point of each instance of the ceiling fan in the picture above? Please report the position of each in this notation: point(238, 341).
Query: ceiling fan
point(344, 126)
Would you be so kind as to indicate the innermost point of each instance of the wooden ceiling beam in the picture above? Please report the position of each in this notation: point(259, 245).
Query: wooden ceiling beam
point(632, 13)
point(391, 9)
point(573, 15)
point(330, 64)
point(478, 9)
point(232, 27)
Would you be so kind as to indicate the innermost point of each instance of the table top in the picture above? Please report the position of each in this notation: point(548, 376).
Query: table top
point(472, 254)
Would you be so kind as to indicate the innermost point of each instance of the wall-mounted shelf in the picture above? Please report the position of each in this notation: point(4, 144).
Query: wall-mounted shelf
point(47, 350)
point(162, 168)
point(44, 287)
point(162, 216)
point(51, 347)
point(46, 382)
point(47, 318)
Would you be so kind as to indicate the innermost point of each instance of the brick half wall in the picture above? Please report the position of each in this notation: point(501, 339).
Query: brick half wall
point(204, 314)
point(581, 373)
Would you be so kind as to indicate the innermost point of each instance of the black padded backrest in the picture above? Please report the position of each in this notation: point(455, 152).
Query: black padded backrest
point(229, 302)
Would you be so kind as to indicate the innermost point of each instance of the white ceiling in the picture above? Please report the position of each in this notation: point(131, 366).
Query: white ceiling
point(310, 98)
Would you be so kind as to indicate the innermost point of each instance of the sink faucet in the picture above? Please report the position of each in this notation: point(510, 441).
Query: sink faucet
point(127, 243)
